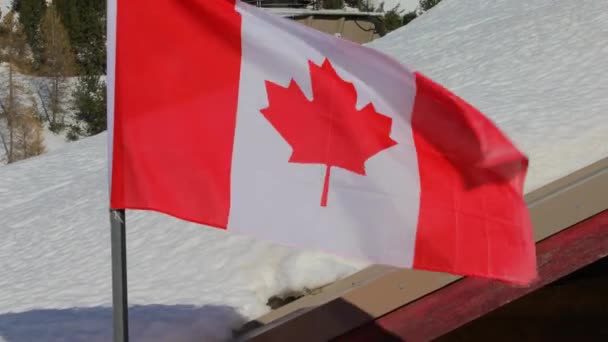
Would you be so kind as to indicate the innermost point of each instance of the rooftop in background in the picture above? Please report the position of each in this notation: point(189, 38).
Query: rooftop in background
point(296, 8)
point(296, 12)
point(348, 23)
point(285, 3)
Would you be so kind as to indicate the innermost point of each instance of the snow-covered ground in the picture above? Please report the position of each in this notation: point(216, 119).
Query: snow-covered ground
point(536, 67)
point(55, 253)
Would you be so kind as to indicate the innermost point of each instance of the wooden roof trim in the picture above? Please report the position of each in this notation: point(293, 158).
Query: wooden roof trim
point(470, 298)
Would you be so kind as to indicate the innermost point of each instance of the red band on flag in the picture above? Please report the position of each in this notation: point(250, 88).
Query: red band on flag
point(177, 81)
point(472, 219)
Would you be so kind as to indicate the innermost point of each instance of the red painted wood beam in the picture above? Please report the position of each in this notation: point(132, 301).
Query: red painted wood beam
point(470, 298)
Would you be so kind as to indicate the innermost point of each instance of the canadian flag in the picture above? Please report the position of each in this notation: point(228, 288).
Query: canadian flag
point(223, 114)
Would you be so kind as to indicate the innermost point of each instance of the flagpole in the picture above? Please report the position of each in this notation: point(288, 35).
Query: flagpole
point(119, 276)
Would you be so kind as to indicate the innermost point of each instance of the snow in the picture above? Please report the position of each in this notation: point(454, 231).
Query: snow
point(53, 141)
point(5, 6)
point(187, 279)
point(535, 67)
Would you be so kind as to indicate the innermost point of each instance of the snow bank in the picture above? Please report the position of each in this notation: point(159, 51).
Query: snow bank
point(55, 254)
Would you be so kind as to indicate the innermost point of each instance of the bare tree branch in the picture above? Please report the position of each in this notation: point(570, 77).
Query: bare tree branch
point(43, 102)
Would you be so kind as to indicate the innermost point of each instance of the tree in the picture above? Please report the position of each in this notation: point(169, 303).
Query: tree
point(89, 107)
point(28, 134)
point(85, 21)
point(57, 63)
point(389, 21)
point(30, 14)
point(20, 132)
point(362, 5)
point(14, 48)
point(408, 17)
point(392, 19)
point(426, 5)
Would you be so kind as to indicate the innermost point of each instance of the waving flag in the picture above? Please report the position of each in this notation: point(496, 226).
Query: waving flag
point(223, 114)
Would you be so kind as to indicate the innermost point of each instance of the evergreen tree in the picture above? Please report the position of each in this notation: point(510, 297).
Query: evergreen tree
point(333, 4)
point(57, 63)
point(30, 14)
point(89, 107)
point(389, 21)
point(85, 21)
point(362, 5)
point(426, 5)
point(392, 19)
point(408, 17)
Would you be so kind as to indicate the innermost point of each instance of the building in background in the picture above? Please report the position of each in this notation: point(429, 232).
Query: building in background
point(348, 23)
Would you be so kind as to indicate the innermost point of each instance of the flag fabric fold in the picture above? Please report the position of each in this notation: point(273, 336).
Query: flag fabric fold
point(222, 114)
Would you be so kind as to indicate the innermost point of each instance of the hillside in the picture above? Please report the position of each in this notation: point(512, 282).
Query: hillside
point(32, 85)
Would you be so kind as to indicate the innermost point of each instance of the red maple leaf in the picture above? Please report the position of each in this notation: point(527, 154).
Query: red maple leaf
point(329, 129)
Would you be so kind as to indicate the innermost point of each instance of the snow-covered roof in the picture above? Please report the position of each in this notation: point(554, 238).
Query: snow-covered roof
point(536, 67)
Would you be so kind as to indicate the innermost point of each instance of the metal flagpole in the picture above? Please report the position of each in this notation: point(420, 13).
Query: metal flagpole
point(119, 276)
